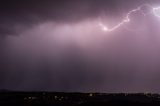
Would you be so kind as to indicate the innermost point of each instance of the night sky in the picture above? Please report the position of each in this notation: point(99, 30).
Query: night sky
point(60, 45)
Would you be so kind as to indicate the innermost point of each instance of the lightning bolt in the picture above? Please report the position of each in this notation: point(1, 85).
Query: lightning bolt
point(155, 11)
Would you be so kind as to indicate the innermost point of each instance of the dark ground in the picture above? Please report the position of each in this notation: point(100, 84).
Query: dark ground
point(77, 99)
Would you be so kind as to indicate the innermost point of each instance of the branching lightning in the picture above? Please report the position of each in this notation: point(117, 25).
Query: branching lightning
point(155, 11)
point(127, 19)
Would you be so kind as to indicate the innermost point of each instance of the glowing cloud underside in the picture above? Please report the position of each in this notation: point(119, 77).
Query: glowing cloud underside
point(155, 11)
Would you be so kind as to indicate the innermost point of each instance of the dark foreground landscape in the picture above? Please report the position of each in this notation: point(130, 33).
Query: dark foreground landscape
point(77, 99)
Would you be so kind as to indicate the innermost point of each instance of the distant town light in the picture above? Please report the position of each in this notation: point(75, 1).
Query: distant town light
point(55, 97)
point(90, 94)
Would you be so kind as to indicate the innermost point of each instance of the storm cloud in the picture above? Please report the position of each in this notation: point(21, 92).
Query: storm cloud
point(59, 46)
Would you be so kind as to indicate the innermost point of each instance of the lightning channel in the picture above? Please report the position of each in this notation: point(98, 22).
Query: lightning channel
point(127, 17)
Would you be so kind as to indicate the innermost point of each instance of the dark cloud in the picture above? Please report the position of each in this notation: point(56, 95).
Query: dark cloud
point(29, 12)
point(56, 45)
